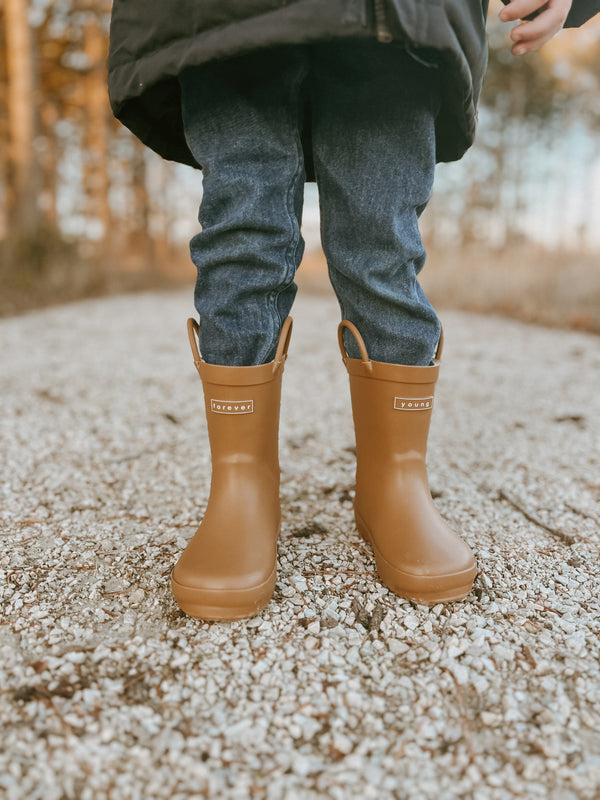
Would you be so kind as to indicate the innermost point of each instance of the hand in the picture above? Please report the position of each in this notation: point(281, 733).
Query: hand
point(548, 21)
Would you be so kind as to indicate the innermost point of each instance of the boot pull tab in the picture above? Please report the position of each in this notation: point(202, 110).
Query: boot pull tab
point(193, 333)
point(364, 356)
point(440, 347)
point(284, 342)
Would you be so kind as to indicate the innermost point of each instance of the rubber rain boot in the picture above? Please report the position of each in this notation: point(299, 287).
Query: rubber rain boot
point(417, 555)
point(228, 569)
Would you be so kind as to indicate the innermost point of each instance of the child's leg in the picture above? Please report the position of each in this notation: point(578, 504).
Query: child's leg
point(374, 109)
point(242, 120)
point(373, 136)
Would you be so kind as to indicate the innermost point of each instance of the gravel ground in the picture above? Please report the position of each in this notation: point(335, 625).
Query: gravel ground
point(338, 689)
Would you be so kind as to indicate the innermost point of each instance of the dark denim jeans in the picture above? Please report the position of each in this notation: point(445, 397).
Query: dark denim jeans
point(373, 109)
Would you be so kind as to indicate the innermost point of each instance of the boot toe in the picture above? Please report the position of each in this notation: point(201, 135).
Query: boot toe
point(429, 583)
point(209, 597)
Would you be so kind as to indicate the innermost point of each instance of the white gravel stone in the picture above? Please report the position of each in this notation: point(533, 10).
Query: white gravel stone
point(411, 622)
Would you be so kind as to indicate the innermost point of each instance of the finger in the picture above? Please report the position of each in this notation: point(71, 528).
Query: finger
point(521, 48)
point(531, 35)
point(518, 9)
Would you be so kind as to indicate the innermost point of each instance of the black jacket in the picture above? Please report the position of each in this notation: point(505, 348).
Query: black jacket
point(150, 43)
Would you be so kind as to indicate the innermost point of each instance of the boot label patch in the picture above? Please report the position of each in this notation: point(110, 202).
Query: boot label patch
point(413, 403)
point(232, 406)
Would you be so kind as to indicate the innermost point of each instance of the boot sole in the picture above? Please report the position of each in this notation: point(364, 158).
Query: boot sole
point(435, 589)
point(220, 605)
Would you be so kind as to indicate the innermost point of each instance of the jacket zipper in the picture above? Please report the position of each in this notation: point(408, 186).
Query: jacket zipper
point(383, 32)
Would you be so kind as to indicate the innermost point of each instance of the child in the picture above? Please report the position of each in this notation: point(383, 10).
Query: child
point(364, 96)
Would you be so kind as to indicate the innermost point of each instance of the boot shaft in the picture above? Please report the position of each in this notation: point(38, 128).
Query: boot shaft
point(391, 417)
point(242, 416)
point(242, 405)
point(391, 405)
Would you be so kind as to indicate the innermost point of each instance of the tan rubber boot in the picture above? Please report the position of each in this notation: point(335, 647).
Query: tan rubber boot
point(417, 555)
point(228, 569)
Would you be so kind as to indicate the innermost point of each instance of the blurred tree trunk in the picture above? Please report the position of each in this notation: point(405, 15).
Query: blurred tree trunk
point(141, 250)
point(161, 222)
point(3, 184)
point(95, 179)
point(520, 127)
point(49, 163)
point(23, 213)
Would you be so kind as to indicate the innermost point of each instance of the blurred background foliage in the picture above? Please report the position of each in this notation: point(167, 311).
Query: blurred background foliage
point(86, 209)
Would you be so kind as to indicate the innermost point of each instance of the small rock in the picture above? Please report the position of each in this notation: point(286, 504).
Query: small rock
point(342, 743)
point(411, 622)
point(397, 647)
point(136, 597)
